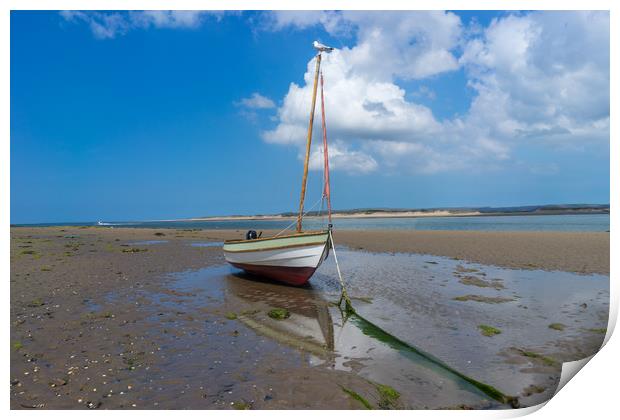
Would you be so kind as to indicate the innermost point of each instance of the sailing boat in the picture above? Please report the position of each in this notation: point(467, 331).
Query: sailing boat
point(291, 258)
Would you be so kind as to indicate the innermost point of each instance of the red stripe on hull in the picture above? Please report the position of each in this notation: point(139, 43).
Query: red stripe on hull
point(295, 276)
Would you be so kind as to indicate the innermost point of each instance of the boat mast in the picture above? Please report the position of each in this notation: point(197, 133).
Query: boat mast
point(308, 142)
point(326, 189)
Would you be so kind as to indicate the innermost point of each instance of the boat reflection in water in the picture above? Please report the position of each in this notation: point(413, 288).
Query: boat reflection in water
point(316, 326)
point(309, 325)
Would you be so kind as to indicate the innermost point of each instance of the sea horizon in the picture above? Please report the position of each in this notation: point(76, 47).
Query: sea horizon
point(583, 222)
point(379, 212)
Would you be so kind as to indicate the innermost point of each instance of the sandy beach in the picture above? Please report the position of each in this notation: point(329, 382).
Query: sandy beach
point(102, 319)
point(581, 252)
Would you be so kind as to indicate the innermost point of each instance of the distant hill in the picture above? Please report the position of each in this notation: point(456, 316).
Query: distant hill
point(456, 211)
point(549, 208)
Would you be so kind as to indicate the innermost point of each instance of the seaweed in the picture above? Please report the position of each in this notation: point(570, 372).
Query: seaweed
point(279, 313)
point(241, 405)
point(132, 250)
point(36, 303)
point(489, 331)
point(460, 269)
point(427, 359)
point(557, 326)
point(483, 299)
point(478, 282)
point(388, 396)
point(548, 361)
point(96, 315)
point(357, 397)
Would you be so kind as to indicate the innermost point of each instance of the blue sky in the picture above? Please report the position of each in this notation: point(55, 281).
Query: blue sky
point(134, 117)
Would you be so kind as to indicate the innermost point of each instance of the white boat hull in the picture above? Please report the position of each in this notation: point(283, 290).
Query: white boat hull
point(291, 259)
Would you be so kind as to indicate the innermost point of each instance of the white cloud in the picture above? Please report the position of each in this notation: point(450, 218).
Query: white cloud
point(300, 19)
point(256, 101)
point(542, 75)
point(106, 25)
point(538, 77)
point(355, 105)
point(409, 45)
point(341, 158)
point(167, 18)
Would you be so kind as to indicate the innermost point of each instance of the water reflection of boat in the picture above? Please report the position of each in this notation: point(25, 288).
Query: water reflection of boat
point(309, 326)
point(357, 345)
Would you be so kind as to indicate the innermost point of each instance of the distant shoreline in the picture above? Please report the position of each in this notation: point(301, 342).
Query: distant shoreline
point(337, 216)
point(390, 215)
point(550, 210)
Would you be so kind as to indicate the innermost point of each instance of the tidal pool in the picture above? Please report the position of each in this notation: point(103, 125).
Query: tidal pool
point(437, 306)
point(206, 244)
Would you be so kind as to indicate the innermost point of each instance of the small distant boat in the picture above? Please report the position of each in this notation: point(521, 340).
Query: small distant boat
point(291, 258)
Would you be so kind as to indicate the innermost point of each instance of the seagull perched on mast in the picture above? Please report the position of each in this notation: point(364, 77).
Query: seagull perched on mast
point(321, 48)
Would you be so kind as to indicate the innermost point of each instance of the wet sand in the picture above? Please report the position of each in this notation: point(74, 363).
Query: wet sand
point(87, 332)
point(581, 252)
point(144, 318)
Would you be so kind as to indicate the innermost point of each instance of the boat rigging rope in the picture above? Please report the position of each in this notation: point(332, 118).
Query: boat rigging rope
point(344, 296)
point(295, 221)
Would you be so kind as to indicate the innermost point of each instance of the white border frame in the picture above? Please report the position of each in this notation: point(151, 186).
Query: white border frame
point(592, 394)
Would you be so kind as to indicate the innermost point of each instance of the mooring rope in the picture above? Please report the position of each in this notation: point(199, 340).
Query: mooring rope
point(344, 296)
point(402, 345)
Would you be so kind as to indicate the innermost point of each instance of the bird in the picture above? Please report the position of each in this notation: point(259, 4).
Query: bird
point(321, 48)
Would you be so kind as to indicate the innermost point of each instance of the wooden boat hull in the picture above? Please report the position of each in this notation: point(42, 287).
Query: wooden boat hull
point(291, 259)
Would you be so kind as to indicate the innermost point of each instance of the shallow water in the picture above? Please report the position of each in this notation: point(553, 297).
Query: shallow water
point(318, 328)
point(563, 222)
point(206, 244)
point(413, 298)
point(150, 242)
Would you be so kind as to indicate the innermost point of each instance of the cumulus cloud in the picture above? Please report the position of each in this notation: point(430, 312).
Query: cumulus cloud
point(106, 25)
point(546, 73)
point(356, 107)
point(256, 101)
point(538, 77)
point(409, 45)
point(341, 158)
point(299, 19)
